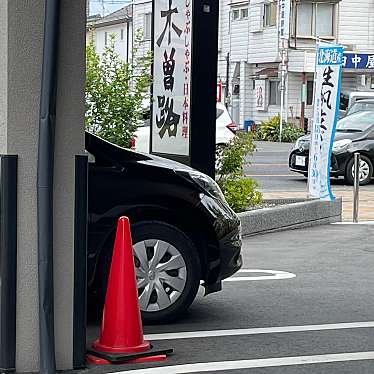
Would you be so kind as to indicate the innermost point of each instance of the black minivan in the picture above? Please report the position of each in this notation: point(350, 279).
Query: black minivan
point(182, 228)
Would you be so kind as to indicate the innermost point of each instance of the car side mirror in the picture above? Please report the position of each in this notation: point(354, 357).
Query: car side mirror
point(91, 157)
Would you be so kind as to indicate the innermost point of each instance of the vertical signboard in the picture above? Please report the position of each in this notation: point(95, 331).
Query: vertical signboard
point(172, 48)
point(284, 19)
point(329, 60)
point(260, 87)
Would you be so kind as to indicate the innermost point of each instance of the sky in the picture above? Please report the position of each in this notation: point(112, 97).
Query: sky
point(109, 5)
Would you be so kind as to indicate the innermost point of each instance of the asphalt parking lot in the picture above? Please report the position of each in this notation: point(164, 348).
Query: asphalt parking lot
point(317, 318)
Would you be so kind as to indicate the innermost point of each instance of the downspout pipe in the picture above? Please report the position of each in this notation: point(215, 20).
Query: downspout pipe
point(47, 123)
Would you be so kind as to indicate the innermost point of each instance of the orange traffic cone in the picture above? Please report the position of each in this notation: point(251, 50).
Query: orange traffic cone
point(121, 338)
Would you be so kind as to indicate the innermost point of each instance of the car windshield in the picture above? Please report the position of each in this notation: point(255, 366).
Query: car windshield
point(361, 106)
point(356, 122)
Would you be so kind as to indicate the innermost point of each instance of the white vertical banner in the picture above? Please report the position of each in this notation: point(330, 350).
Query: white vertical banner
point(172, 49)
point(329, 59)
point(284, 19)
point(260, 87)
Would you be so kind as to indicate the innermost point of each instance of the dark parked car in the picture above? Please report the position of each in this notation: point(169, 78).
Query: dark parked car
point(361, 105)
point(354, 133)
point(183, 231)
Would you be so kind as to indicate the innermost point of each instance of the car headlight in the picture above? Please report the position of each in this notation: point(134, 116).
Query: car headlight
point(340, 145)
point(204, 182)
point(298, 142)
point(301, 142)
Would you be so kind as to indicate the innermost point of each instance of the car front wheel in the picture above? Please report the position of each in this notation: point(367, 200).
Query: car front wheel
point(365, 174)
point(167, 270)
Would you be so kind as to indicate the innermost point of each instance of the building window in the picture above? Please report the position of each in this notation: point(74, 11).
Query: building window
point(315, 19)
point(324, 19)
point(239, 14)
point(106, 38)
point(309, 92)
point(121, 34)
point(235, 14)
point(270, 14)
point(147, 26)
point(244, 13)
point(274, 93)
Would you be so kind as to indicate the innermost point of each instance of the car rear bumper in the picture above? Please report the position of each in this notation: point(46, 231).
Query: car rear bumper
point(338, 163)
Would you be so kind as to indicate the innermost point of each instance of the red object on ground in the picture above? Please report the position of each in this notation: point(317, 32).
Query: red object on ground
point(122, 330)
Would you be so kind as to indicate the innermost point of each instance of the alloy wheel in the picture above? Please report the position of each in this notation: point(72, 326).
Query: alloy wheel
point(161, 274)
point(364, 170)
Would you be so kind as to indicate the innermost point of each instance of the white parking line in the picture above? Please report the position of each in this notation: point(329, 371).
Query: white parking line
point(354, 223)
point(272, 275)
point(258, 363)
point(258, 331)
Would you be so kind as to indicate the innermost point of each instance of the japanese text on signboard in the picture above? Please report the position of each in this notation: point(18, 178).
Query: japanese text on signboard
point(284, 19)
point(358, 61)
point(172, 76)
point(328, 75)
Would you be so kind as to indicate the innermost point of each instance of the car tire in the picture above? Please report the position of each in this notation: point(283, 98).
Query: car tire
point(166, 301)
point(366, 171)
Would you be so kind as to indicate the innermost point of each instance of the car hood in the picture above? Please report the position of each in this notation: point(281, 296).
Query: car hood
point(96, 145)
point(304, 141)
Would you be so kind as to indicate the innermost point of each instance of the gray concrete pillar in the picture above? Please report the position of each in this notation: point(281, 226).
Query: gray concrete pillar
point(21, 48)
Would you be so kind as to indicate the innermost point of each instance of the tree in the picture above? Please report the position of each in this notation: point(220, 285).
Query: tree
point(115, 91)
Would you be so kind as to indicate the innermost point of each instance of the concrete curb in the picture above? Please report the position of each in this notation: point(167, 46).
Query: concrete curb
point(296, 214)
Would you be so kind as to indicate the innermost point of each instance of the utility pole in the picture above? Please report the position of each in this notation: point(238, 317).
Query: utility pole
point(303, 102)
point(282, 87)
point(88, 8)
point(227, 79)
point(284, 10)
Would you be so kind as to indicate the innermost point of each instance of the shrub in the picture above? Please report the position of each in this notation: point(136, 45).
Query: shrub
point(270, 131)
point(291, 133)
point(240, 192)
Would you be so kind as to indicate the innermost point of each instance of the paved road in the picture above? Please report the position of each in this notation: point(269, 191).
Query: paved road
point(270, 168)
point(333, 285)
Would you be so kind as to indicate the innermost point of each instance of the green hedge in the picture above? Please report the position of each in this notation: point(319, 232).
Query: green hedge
point(270, 131)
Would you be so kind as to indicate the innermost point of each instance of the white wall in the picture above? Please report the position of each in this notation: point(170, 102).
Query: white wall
point(239, 37)
point(140, 8)
point(356, 24)
point(263, 41)
point(120, 44)
point(224, 37)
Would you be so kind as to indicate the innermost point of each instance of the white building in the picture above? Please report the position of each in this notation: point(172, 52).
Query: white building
point(249, 49)
point(249, 34)
point(118, 24)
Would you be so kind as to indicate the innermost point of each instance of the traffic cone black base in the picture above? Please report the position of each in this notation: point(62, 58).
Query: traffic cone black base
point(102, 358)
